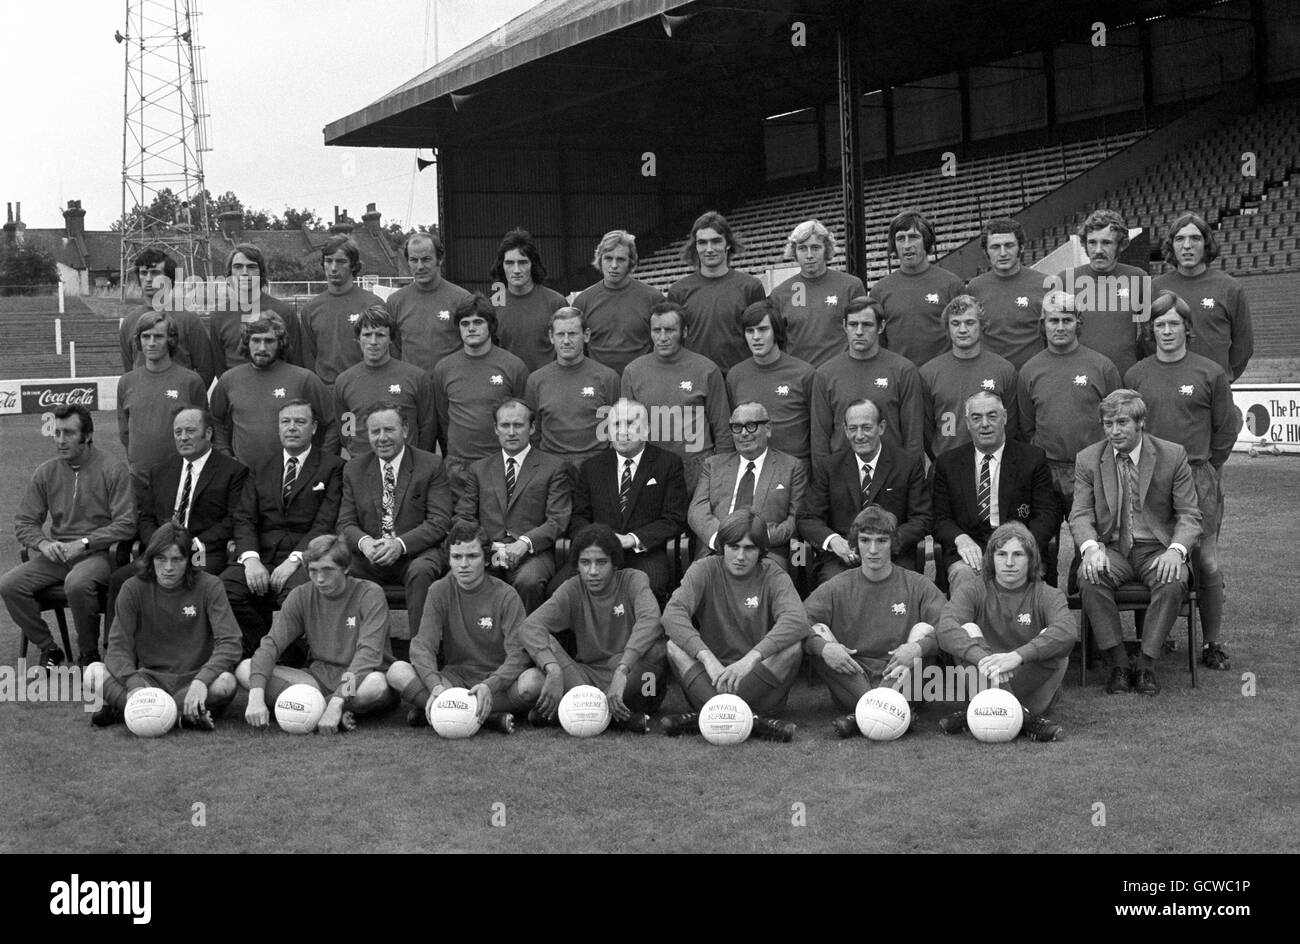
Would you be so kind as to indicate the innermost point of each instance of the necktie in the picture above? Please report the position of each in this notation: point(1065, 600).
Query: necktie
point(290, 476)
point(390, 486)
point(1129, 482)
point(625, 486)
point(745, 491)
point(866, 484)
point(985, 492)
point(510, 478)
point(183, 509)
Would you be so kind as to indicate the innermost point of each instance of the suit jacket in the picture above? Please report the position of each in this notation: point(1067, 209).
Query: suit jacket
point(1024, 494)
point(898, 485)
point(275, 528)
point(1164, 481)
point(656, 506)
point(421, 501)
point(539, 508)
point(778, 496)
point(214, 498)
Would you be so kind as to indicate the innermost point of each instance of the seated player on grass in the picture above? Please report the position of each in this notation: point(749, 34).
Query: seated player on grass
point(736, 626)
point(873, 625)
point(1014, 627)
point(345, 622)
point(469, 638)
point(620, 645)
point(174, 631)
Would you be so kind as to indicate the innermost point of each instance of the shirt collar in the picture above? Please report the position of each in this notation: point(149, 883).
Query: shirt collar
point(198, 464)
point(873, 461)
point(519, 459)
point(302, 459)
point(395, 462)
point(1135, 453)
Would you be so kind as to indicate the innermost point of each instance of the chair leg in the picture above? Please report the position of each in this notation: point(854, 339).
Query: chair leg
point(1083, 647)
point(1192, 647)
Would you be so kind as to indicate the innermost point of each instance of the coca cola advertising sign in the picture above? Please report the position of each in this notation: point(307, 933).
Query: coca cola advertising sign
point(10, 401)
point(41, 398)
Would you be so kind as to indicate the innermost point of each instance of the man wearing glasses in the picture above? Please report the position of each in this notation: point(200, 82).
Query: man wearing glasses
point(754, 476)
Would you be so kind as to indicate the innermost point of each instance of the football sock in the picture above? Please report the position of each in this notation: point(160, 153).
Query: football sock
point(1145, 661)
point(415, 694)
point(1209, 603)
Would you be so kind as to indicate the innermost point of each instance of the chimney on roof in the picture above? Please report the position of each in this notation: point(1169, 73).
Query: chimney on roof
point(370, 219)
point(232, 224)
point(15, 225)
point(74, 220)
point(342, 224)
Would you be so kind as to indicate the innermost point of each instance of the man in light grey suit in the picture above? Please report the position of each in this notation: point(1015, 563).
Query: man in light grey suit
point(767, 480)
point(521, 496)
point(1135, 517)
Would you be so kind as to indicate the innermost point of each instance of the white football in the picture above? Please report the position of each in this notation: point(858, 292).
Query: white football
point(150, 712)
point(883, 714)
point(994, 716)
point(584, 711)
point(299, 707)
point(453, 714)
point(726, 719)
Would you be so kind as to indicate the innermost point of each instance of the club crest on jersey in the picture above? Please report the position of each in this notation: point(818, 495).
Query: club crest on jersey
point(1081, 380)
point(1207, 302)
point(588, 391)
point(751, 602)
point(354, 317)
point(1023, 511)
point(497, 380)
point(1023, 619)
point(619, 609)
point(832, 299)
point(882, 382)
point(278, 392)
point(485, 622)
point(352, 622)
point(1185, 390)
point(394, 388)
point(783, 390)
point(898, 609)
point(932, 298)
point(686, 385)
point(189, 610)
point(1022, 301)
point(987, 384)
point(444, 315)
point(173, 394)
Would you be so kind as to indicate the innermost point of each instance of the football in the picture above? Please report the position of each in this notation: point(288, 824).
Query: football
point(299, 708)
point(726, 719)
point(454, 714)
point(584, 711)
point(150, 712)
point(994, 716)
point(883, 714)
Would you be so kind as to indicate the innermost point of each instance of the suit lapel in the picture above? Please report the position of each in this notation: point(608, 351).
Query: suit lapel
point(1110, 481)
point(763, 483)
point(205, 477)
point(728, 483)
point(306, 472)
point(405, 472)
point(1146, 468)
point(1006, 483)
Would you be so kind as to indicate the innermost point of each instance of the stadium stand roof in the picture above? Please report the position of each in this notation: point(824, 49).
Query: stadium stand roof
point(596, 68)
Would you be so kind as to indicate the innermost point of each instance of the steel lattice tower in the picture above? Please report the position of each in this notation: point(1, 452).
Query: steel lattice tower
point(164, 133)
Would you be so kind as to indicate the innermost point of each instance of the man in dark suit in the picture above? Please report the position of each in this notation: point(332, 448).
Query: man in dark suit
point(199, 489)
point(288, 500)
point(1135, 517)
point(987, 482)
point(396, 510)
point(870, 471)
point(637, 489)
point(754, 476)
point(522, 498)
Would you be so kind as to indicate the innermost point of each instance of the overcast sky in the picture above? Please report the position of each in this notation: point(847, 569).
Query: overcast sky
point(277, 71)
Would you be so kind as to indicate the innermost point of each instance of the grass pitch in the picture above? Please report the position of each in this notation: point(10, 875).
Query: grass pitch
point(1204, 770)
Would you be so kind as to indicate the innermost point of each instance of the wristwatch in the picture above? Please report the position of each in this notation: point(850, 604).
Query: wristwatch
point(85, 543)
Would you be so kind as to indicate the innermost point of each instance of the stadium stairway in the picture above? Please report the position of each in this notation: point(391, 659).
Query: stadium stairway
point(27, 339)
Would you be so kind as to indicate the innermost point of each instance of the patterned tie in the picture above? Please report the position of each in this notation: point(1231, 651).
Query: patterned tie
point(985, 493)
point(390, 486)
point(510, 478)
point(181, 517)
point(1129, 482)
point(866, 485)
point(625, 486)
point(290, 476)
point(745, 491)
